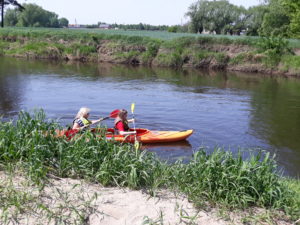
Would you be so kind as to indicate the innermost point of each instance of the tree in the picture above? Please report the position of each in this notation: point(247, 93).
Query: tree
point(197, 14)
point(8, 2)
point(217, 16)
point(255, 19)
point(36, 16)
point(276, 21)
point(239, 17)
point(292, 8)
point(63, 22)
point(173, 29)
point(11, 17)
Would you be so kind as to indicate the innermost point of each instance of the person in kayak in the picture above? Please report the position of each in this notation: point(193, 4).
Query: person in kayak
point(81, 120)
point(121, 123)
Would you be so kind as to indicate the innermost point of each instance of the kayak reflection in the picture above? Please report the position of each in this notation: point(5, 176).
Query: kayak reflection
point(179, 144)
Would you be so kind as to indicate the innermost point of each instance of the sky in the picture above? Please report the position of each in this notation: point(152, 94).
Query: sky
point(154, 12)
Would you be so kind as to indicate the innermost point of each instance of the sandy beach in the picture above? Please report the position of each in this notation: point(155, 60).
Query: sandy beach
point(70, 201)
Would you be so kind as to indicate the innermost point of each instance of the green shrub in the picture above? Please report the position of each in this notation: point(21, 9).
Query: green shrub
point(80, 49)
point(171, 59)
point(221, 57)
point(245, 57)
point(224, 178)
point(291, 62)
point(277, 45)
point(173, 29)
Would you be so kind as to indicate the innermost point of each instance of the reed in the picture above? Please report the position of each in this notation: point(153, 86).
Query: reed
point(219, 178)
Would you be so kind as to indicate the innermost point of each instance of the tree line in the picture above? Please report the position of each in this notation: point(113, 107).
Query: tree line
point(271, 18)
point(139, 26)
point(33, 16)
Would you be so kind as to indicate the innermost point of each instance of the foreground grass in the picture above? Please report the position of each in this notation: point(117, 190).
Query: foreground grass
point(217, 179)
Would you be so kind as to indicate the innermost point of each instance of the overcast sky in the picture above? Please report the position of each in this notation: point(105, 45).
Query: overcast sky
point(154, 12)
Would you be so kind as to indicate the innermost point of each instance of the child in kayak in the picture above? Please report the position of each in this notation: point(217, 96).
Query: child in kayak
point(81, 120)
point(121, 123)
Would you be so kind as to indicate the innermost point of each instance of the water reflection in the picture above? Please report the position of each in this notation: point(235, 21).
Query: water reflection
point(226, 109)
point(10, 87)
point(171, 151)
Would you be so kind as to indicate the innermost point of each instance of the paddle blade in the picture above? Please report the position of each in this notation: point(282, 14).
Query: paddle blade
point(132, 107)
point(114, 113)
point(136, 145)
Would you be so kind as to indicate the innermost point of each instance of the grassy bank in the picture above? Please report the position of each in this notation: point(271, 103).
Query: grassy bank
point(217, 179)
point(251, 54)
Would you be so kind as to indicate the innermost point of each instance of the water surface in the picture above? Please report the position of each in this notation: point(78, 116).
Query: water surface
point(230, 110)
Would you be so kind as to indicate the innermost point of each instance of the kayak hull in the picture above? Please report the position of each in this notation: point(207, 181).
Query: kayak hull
point(144, 136)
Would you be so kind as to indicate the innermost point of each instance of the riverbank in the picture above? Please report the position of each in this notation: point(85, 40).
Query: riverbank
point(219, 182)
point(75, 201)
point(270, 56)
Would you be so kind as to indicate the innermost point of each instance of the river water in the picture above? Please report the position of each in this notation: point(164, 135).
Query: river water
point(230, 110)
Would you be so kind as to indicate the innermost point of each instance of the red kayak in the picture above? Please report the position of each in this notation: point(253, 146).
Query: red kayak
point(143, 135)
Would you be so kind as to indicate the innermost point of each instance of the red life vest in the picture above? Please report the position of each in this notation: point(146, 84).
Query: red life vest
point(125, 124)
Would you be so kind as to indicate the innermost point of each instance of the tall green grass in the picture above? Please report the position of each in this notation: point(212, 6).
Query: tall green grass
point(219, 178)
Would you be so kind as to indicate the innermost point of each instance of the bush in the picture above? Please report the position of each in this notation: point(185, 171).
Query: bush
point(173, 29)
point(277, 45)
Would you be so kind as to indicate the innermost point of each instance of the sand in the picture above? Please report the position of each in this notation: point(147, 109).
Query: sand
point(70, 201)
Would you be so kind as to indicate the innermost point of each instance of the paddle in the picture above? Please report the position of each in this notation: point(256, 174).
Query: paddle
point(71, 133)
point(136, 143)
point(113, 114)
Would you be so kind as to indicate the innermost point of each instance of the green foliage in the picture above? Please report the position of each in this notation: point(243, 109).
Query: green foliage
point(63, 22)
point(219, 177)
point(80, 49)
point(170, 59)
point(2, 47)
point(200, 55)
point(274, 49)
point(173, 29)
point(275, 21)
point(130, 57)
point(152, 48)
point(139, 26)
point(11, 17)
point(179, 43)
point(150, 53)
point(291, 62)
point(275, 18)
point(37, 48)
point(277, 45)
point(221, 58)
point(173, 51)
point(216, 16)
point(245, 57)
point(292, 8)
point(255, 19)
point(33, 16)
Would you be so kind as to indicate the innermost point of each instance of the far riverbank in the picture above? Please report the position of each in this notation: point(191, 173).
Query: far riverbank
point(245, 54)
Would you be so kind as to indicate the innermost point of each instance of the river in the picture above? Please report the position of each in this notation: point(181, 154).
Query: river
point(229, 110)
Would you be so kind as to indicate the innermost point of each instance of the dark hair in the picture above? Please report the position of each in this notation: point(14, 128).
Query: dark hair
point(122, 113)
